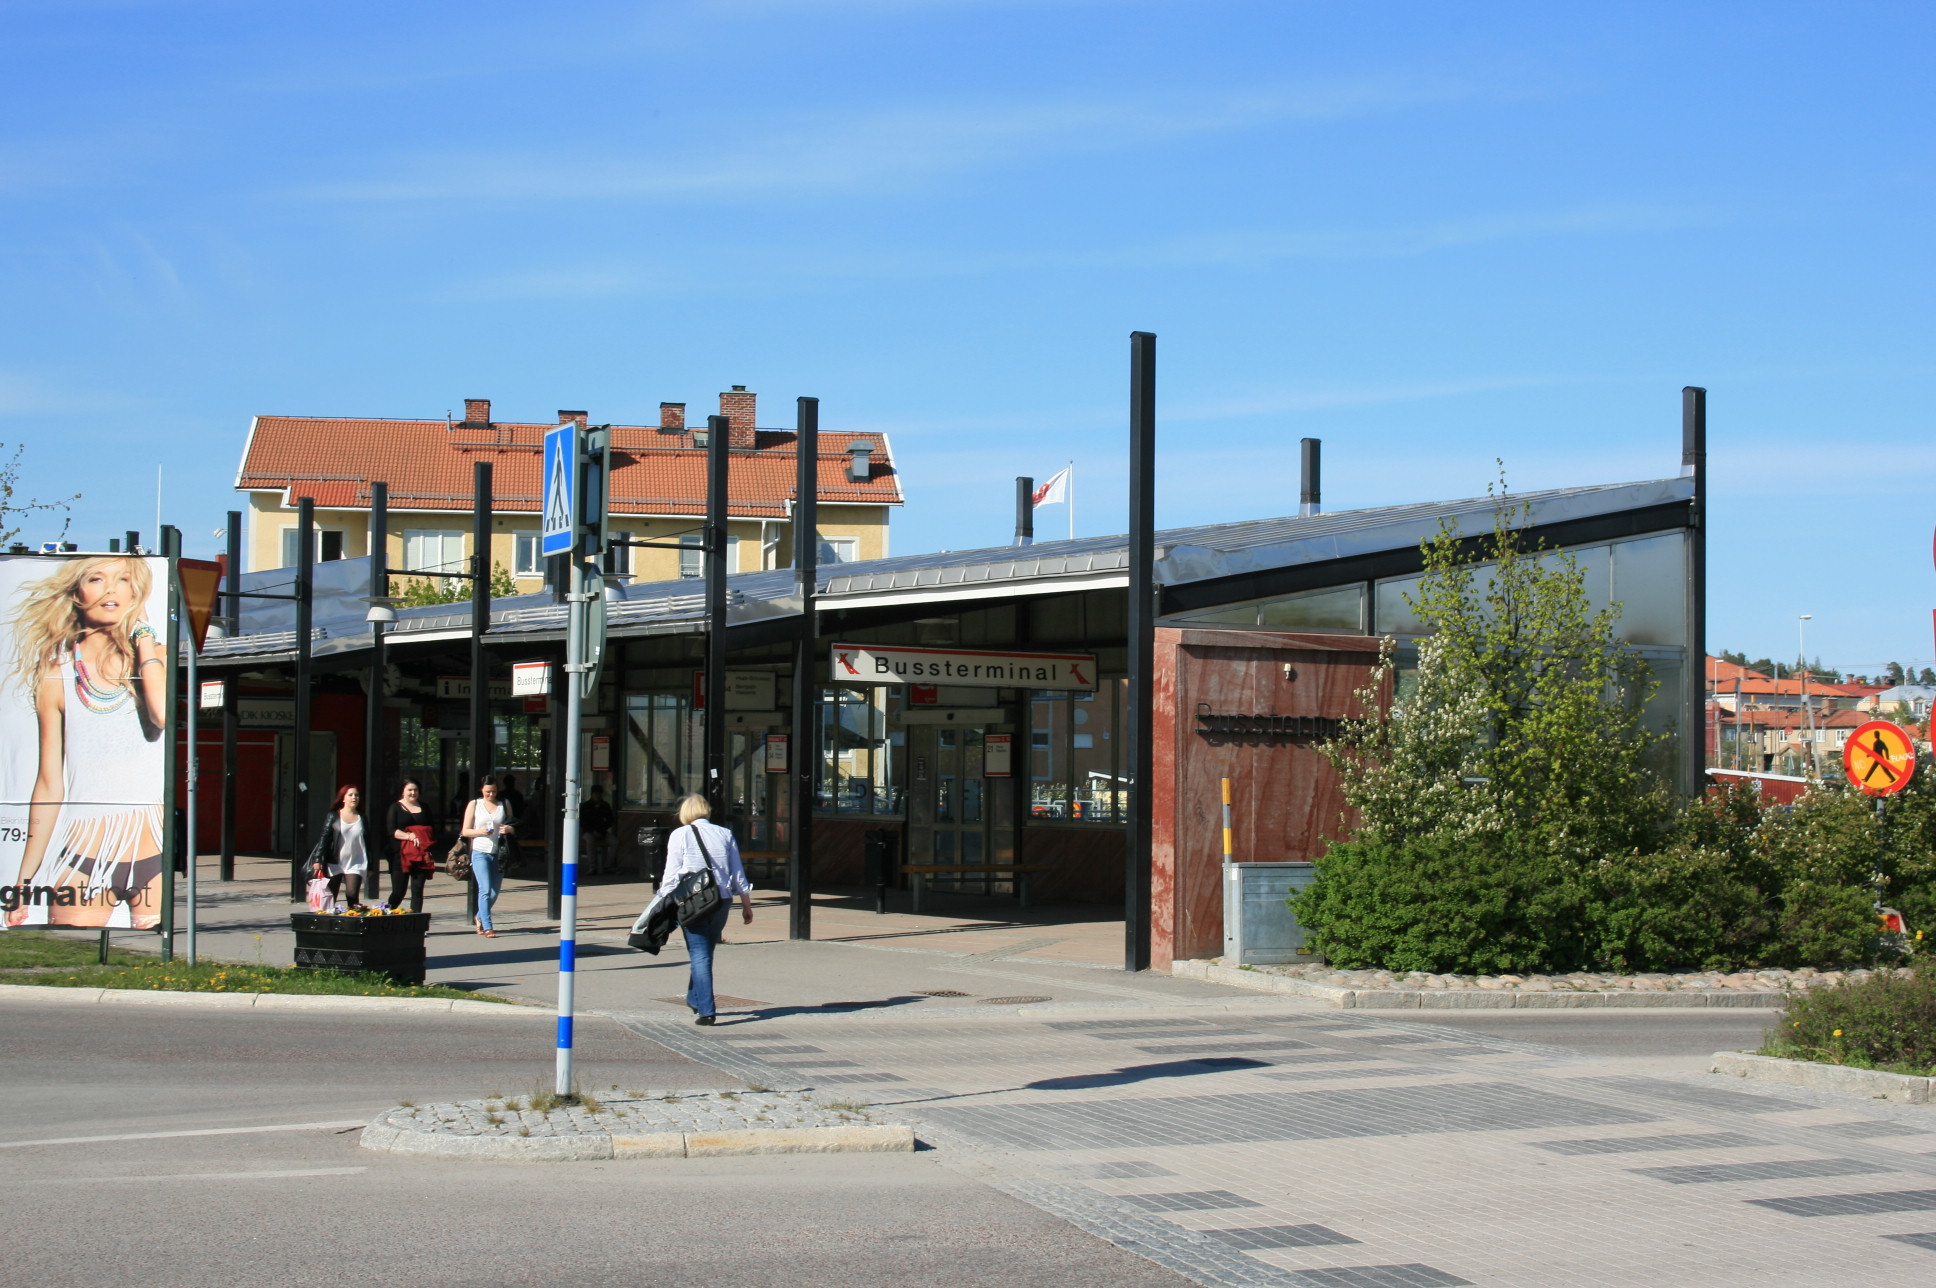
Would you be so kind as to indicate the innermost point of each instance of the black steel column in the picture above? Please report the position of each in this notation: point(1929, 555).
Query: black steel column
point(376, 793)
point(804, 751)
point(482, 732)
point(299, 754)
point(1142, 645)
point(1694, 673)
point(1024, 511)
point(231, 724)
point(717, 443)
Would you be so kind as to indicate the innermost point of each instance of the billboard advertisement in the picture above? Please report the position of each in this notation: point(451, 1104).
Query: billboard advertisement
point(83, 748)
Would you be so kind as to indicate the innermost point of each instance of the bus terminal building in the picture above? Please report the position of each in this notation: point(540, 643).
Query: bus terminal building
point(971, 704)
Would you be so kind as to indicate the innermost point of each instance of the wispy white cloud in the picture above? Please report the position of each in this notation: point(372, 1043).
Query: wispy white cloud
point(793, 268)
point(878, 150)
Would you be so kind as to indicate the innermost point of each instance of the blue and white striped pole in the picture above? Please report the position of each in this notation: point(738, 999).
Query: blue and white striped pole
point(575, 667)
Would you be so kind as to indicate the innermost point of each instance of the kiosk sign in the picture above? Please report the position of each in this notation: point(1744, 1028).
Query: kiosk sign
point(1879, 758)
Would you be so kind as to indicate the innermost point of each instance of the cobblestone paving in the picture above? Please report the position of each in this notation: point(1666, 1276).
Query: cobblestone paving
point(633, 1113)
point(1472, 1159)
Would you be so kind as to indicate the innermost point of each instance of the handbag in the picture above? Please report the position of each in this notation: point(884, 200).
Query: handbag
point(697, 894)
point(458, 861)
point(317, 895)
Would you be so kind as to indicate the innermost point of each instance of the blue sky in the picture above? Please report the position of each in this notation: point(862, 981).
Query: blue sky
point(1432, 235)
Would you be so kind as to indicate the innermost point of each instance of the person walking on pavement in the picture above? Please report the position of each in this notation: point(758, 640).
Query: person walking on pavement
point(487, 827)
point(701, 844)
point(412, 860)
point(342, 853)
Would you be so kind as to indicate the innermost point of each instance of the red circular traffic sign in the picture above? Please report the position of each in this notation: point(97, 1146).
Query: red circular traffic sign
point(1879, 758)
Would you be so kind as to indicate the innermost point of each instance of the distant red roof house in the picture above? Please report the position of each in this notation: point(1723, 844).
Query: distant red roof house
point(658, 485)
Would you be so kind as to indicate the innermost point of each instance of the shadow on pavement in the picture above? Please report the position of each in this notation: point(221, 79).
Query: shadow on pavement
point(1145, 1072)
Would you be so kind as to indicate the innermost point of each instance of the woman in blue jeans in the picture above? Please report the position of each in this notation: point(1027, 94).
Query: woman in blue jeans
point(699, 844)
point(487, 825)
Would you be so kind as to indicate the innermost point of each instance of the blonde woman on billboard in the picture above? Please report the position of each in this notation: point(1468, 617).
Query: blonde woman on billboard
point(95, 670)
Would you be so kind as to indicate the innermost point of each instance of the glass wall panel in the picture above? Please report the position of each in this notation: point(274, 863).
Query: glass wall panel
point(664, 750)
point(859, 759)
point(1329, 608)
point(1393, 616)
point(1649, 576)
point(1075, 755)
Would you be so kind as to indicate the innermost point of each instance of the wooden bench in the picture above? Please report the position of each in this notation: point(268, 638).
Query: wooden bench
point(918, 873)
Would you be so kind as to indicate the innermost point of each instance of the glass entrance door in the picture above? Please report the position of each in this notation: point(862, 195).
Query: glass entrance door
point(956, 813)
point(759, 805)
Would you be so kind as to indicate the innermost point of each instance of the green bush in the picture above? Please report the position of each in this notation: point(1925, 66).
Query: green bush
point(1440, 904)
point(1732, 886)
point(1887, 1021)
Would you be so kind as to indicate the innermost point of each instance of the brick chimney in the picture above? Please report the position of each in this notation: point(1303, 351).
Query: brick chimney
point(672, 418)
point(736, 405)
point(477, 413)
point(579, 416)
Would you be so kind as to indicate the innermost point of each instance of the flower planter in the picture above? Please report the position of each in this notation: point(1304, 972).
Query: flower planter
point(391, 945)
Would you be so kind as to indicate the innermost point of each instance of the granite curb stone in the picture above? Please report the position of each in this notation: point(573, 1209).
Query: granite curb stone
point(1470, 999)
point(1873, 1083)
point(267, 1001)
point(697, 1124)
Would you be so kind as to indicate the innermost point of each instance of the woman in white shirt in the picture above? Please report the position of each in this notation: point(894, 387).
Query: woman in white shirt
point(698, 845)
point(487, 824)
point(341, 853)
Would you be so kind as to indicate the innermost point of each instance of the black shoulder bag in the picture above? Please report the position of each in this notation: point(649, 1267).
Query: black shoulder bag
point(697, 894)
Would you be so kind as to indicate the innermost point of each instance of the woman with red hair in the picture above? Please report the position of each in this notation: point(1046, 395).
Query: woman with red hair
point(340, 853)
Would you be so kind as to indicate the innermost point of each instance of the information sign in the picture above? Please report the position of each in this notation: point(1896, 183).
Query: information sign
point(559, 526)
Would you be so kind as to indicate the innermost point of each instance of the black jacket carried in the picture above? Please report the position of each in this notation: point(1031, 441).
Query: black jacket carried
point(655, 925)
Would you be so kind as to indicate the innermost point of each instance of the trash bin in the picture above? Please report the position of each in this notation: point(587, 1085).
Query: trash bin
point(881, 853)
point(652, 852)
point(1259, 928)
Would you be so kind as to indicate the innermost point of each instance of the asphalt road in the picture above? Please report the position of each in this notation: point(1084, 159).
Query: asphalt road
point(309, 1207)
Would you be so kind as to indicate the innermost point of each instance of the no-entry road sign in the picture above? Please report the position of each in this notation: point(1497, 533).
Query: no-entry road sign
point(1879, 758)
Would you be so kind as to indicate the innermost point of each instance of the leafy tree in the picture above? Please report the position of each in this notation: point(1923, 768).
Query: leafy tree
point(14, 509)
point(1928, 676)
point(1892, 674)
point(1510, 764)
point(420, 591)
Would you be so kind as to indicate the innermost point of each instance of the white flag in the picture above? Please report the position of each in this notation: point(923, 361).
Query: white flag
point(1055, 491)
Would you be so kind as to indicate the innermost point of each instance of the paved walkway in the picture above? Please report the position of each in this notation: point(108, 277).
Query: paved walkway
point(1244, 1139)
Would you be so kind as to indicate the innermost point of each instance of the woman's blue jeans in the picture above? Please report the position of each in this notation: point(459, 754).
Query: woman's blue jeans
point(700, 942)
point(484, 872)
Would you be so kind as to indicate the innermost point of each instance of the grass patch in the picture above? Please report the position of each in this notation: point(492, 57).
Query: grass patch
point(39, 949)
point(1885, 1022)
point(229, 977)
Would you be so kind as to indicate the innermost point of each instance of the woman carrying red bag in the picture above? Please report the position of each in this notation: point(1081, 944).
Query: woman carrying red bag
point(412, 859)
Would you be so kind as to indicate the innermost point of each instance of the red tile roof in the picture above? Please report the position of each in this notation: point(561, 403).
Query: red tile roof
point(427, 464)
point(1723, 672)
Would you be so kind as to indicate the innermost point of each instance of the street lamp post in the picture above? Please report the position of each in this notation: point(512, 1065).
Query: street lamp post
point(1808, 712)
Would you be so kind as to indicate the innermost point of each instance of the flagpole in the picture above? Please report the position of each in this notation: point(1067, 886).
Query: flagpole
point(1071, 506)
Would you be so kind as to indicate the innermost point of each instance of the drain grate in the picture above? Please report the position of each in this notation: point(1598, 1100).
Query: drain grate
point(940, 992)
point(1011, 1001)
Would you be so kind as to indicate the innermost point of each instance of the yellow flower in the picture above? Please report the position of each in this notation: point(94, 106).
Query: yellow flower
point(1838, 1033)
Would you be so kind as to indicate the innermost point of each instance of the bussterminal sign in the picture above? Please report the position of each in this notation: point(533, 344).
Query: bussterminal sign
point(968, 668)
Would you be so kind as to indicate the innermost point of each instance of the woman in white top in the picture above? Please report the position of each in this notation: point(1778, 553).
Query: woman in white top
point(699, 845)
point(487, 824)
point(341, 853)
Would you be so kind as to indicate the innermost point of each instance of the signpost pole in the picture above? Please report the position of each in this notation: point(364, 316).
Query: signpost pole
point(568, 858)
point(1694, 673)
point(374, 797)
point(481, 729)
point(192, 721)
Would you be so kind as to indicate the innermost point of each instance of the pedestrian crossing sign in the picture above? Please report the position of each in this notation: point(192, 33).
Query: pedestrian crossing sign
point(1879, 758)
point(560, 523)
